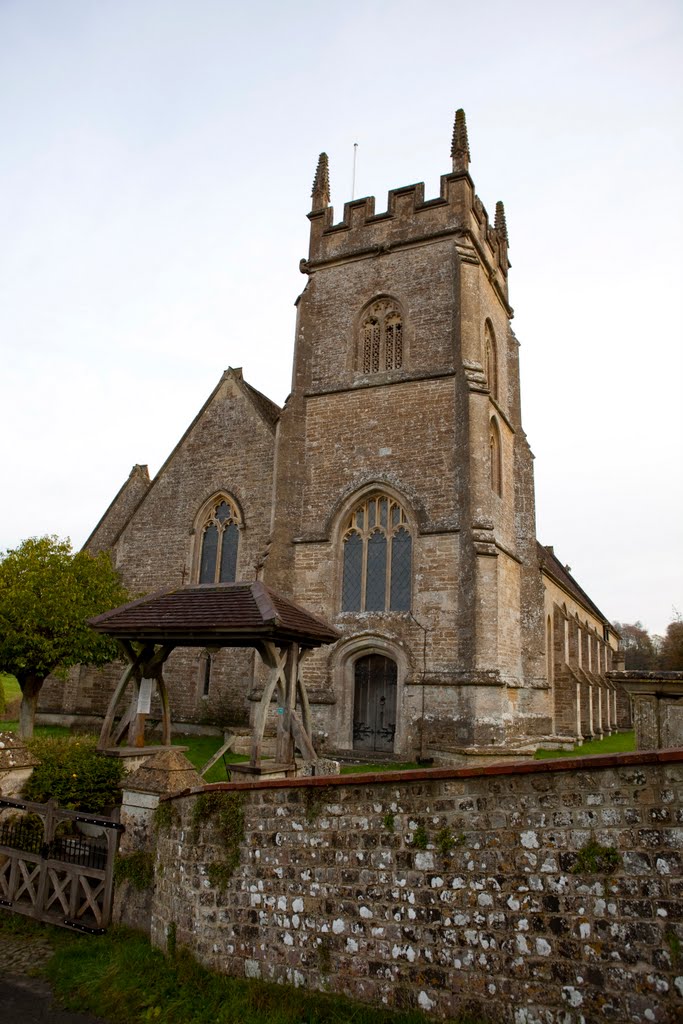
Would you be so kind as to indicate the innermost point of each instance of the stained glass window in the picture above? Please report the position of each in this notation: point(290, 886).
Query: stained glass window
point(377, 558)
point(353, 571)
point(220, 540)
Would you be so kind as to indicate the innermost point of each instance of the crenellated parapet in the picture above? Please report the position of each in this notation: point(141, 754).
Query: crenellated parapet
point(410, 219)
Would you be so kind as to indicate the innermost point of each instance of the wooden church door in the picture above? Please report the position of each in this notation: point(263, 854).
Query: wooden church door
point(374, 707)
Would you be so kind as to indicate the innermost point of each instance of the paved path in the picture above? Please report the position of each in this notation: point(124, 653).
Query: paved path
point(27, 1000)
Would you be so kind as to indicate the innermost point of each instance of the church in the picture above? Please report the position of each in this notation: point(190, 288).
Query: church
point(393, 495)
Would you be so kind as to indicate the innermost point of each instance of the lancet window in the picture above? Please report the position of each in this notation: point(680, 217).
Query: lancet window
point(377, 549)
point(490, 360)
point(381, 337)
point(495, 457)
point(219, 542)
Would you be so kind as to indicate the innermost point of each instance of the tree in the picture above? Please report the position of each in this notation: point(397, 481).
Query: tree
point(47, 593)
point(671, 657)
point(636, 642)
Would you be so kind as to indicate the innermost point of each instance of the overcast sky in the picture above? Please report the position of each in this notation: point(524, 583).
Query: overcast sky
point(156, 163)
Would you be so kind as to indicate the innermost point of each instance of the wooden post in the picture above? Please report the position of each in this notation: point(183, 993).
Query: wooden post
point(284, 751)
point(275, 660)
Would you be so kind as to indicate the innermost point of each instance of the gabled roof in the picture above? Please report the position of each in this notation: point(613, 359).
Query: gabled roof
point(216, 615)
point(550, 564)
point(266, 409)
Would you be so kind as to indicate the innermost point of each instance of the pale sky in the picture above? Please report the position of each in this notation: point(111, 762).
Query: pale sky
point(155, 174)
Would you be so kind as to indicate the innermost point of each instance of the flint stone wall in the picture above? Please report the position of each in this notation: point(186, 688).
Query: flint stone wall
point(333, 890)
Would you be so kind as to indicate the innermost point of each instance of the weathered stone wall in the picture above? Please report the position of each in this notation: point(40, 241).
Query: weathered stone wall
point(445, 889)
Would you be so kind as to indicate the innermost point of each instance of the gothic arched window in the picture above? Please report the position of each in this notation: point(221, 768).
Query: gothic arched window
point(377, 557)
point(381, 337)
point(491, 359)
point(219, 542)
point(495, 456)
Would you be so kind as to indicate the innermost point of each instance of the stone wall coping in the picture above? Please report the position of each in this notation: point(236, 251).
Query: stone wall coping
point(641, 757)
point(635, 674)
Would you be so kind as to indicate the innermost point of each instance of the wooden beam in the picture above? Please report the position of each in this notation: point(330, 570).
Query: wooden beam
point(219, 753)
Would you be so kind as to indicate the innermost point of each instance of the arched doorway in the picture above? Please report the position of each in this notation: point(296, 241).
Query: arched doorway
point(374, 704)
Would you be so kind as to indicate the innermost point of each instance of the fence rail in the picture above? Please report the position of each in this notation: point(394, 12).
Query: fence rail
point(64, 879)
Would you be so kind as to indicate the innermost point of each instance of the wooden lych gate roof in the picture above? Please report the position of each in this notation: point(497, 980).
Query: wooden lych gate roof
point(216, 615)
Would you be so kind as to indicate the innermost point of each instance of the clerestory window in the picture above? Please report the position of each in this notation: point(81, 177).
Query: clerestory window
point(381, 337)
point(219, 543)
point(377, 557)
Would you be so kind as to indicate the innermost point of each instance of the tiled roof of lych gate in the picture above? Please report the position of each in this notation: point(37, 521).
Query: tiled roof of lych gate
point(551, 564)
point(222, 614)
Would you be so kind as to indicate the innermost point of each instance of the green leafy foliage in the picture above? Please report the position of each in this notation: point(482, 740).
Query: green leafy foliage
point(73, 773)
point(595, 859)
point(136, 868)
point(671, 653)
point(445, 841)
point(165, 815)
point(315, 798)
point(420, 838)
point(47, 594)
point(226, 810)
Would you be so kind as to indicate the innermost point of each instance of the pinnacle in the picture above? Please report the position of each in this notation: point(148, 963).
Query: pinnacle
point(321, 184)
point(460, 149)
point(500, 222)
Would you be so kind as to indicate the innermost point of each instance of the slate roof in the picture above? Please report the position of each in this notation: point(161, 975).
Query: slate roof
point(551, 564)
point(213, 615)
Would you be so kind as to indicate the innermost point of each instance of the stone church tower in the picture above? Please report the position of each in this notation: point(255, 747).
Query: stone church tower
point(393, 495)
point(404, 496)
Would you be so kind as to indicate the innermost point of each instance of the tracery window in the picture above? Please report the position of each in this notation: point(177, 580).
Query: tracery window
point(377, 557)
point(381, 337)
point(490, 360)
point(495, 457)
point(219, 543)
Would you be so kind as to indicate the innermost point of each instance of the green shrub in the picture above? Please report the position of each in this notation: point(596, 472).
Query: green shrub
point(420, 838)
point(136, 868)
point(73, 773)
point(595, 859)
point(227, 812)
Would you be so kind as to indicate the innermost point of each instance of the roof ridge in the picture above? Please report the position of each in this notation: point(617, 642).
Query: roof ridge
point(264, 601)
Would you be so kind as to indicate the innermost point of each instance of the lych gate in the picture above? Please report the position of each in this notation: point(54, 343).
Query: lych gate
point(213, 616)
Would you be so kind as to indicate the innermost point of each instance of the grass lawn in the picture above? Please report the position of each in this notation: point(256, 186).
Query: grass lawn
point(201, 748)
point(381, 766)
point(120, 977)
point(10, 686)
point(617, 743)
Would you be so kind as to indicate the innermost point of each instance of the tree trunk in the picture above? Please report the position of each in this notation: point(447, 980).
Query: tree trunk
point(30, 688)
